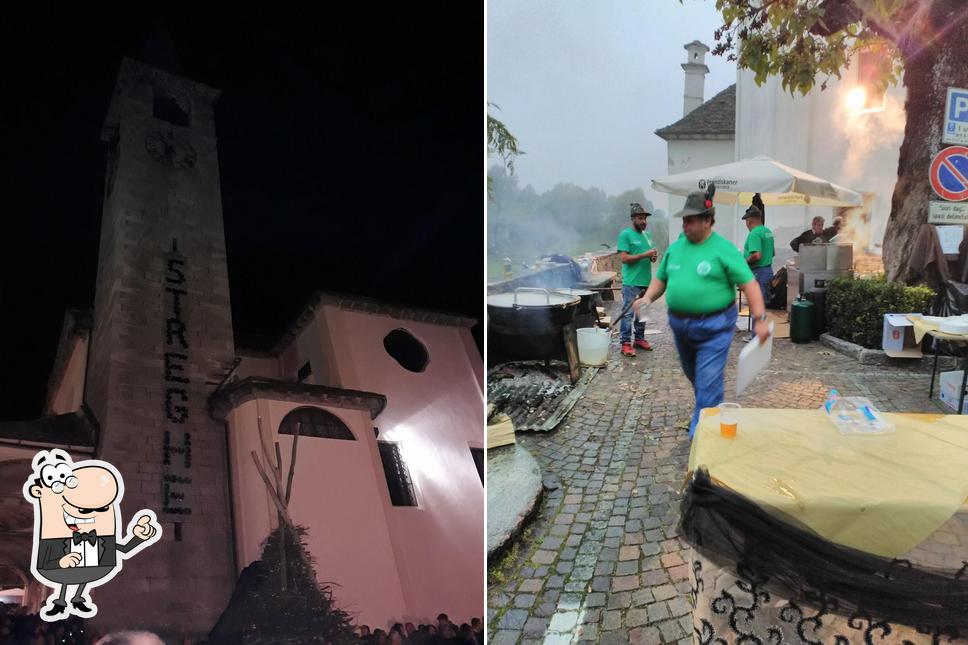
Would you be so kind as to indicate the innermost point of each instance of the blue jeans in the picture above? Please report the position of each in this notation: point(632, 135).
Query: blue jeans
point(630, 293)
point(703, 345)
point(763, 276)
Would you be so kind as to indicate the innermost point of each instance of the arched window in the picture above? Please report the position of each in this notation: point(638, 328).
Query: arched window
point(406, 350)
point(315, 423)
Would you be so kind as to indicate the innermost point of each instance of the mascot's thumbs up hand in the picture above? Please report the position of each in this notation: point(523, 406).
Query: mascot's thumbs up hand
point(70, 560)
point(143, 529)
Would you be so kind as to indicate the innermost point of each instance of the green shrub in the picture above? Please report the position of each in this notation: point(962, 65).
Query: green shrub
point(856, 308)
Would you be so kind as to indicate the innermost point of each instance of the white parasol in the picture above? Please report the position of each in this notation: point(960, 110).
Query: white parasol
point(777, 184)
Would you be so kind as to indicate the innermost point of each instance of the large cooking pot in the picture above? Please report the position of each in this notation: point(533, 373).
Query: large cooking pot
point(528, 323)
point(585, 315)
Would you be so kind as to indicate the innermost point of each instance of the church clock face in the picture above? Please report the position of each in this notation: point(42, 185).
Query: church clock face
point(169, 151)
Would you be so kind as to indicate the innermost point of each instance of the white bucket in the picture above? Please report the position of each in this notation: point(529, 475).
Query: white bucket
point(593, 346)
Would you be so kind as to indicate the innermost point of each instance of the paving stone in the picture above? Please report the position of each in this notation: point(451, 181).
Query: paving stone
point(570, 601)
point(627, 568)
point(658, 611)
point(636, 617)
point(653, 578)
point(628, 552)
point(504, 637)
point(608, 555)
point(644, 636)
point(592, 615)
point(596, 599)
point(524, 601)
point(679, 606)
point(664, 592)
point(513, 619)
point(563, 621)
point(588, 633)
point(624, 583)
point(650, 549)
point(535, 627)
point(671, 630)
point(642, 597)
point(619, 600)
point(585, 560)
point(670, 560)
point(601, 583)
point(551, 543)
point(617, 637)
point(611, 620)
point(544, 557)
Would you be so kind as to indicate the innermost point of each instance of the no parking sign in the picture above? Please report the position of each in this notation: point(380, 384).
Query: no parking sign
point(949, 174)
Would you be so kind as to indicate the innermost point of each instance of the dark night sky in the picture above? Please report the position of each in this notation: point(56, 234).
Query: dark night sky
point(350, 149)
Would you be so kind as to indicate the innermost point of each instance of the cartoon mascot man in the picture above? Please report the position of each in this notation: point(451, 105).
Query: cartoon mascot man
point(76, 519)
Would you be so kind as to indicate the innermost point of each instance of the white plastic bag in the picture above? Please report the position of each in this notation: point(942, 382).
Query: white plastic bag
point(855, 415)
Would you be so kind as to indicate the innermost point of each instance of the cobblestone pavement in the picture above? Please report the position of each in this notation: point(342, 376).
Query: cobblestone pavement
point(602, 562)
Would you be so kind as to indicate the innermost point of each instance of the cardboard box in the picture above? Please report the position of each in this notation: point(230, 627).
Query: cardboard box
point(898, 338)
point(950, 382)
point(780, 320)
point(951, 400)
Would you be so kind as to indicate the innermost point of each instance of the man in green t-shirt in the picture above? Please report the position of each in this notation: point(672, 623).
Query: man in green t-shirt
point(758, 250)
point(638, 252)
point(698, 275)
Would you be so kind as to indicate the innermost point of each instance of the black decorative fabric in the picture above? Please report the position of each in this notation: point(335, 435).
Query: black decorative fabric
point(730, 609)
point(775, 557)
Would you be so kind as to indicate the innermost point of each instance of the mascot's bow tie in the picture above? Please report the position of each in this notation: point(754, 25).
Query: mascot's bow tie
point(90, 536)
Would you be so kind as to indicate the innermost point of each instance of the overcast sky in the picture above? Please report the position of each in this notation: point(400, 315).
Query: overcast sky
point(584, 85)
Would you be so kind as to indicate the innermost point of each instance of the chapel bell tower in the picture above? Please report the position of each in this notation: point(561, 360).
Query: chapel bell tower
point(162, 340)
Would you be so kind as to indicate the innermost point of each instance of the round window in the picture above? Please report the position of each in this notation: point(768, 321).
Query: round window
point(406, 350)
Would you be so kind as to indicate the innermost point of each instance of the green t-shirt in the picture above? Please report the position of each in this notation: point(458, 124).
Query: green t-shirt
point(702, 278)
point(760, 239)
point(637, 274)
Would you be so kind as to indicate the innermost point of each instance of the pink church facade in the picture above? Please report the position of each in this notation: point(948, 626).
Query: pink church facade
point(389, 563)
point(400, 562)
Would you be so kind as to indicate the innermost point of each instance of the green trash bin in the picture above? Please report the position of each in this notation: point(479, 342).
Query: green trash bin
point(801, 321)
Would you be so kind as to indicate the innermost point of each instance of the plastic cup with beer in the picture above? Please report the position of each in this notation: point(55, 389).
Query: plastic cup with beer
point(728, 419)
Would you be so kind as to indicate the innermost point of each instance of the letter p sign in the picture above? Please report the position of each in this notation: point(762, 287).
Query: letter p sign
point(958, 107)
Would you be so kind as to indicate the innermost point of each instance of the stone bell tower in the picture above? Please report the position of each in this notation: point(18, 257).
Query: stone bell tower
point(162, 340)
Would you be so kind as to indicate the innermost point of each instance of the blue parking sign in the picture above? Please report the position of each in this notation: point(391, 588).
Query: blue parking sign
point(956, 117)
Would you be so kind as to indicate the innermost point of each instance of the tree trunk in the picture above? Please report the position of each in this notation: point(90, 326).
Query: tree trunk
point(930, 68)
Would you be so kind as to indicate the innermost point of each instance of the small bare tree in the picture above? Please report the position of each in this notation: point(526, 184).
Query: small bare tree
point(275, 490)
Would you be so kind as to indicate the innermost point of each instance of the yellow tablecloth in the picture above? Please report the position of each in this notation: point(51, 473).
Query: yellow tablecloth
point(921, 327)
point(882, 494)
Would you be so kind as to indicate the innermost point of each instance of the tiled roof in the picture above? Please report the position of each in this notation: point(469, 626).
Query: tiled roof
point(713, 119)
point(235, 394)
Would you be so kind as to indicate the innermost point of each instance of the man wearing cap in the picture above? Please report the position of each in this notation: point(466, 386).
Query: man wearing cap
point(638, 252)
point(758, 249)
point(698, 275)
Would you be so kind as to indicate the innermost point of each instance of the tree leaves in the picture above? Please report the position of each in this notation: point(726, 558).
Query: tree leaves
point(500, 141)
point(800, 40)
